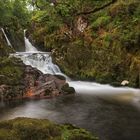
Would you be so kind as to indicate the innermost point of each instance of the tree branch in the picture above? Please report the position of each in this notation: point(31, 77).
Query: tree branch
point(97, 9)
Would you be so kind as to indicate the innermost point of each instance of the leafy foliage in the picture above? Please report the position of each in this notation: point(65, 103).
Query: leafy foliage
point(14, 12)
point(105, 51)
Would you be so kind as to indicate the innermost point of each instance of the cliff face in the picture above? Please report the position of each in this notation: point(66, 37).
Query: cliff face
point(95, 41)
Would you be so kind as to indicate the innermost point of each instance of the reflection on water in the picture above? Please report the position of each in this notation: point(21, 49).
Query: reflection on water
point(110, 120)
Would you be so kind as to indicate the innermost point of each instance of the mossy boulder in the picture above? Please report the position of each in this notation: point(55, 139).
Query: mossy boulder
point(11, 78)
point(37, 129)
point(67, 89)
point(11, 71)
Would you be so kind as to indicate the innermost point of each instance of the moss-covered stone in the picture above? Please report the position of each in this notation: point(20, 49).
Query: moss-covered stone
point(67, 89)
point(36, 129)
point(11, 72)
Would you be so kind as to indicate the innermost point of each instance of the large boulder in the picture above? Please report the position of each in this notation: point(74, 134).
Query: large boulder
point(18, 80)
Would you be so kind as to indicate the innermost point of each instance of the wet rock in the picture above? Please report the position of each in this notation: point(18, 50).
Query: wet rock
point(30, 82)
point(51, 85)
point(18, 80)
point(67, 89)
point(60, 77)
point(23, 81)
point(124, 82)
point(81, 24)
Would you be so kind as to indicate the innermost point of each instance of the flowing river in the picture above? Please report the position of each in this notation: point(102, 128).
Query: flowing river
point(111, 113)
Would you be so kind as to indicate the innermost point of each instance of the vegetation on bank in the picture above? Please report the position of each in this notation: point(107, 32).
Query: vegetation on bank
point(37, 129)
point(14, 18)
point(91, 40)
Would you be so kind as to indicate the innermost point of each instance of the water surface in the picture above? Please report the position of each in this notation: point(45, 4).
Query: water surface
point(109, 119)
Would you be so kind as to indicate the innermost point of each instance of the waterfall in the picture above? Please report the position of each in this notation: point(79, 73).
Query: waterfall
point(40, 60)
point(43, 62)
point(28, 46)
point(7, 40)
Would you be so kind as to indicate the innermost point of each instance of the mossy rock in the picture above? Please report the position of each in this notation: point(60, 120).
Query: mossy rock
point(37, 129)
point(47, 92)
point(67, 89)
point(11, 71)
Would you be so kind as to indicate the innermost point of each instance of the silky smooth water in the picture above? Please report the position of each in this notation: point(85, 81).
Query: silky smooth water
point(108, 118)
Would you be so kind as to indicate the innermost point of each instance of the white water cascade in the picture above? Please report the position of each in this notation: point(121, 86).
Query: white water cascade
point(28, 46)
point(40, 60)
point(7, 40)
point(43, 62)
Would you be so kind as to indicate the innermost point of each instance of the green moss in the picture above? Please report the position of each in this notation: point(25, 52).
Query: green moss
point(68, 90)
point(47, 92)
point(34, 129)
point(10, 71)
point(101, 21)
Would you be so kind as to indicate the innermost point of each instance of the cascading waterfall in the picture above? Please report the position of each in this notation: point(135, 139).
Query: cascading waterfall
point(40, 60)
point(7, 40)
point(28, 46)
point(43, 62)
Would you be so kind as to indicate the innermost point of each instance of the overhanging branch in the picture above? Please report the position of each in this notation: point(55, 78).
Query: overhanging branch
point(96, 9)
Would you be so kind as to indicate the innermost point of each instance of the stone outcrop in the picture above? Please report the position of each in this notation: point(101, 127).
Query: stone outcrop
point(20, 81)
point(43, 85)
